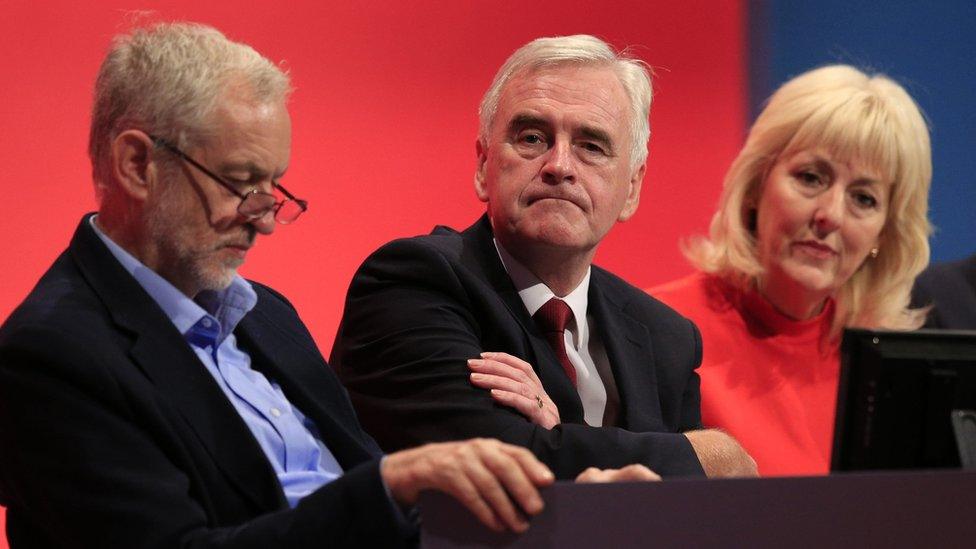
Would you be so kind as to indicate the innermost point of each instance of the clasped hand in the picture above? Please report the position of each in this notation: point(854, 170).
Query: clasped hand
point(513, 382)
point(499, 483)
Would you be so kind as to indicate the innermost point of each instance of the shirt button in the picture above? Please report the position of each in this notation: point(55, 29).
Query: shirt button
point(276, 412)
point(206, 322)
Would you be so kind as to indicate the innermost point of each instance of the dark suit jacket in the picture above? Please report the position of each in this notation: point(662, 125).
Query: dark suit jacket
point(418, 308)
point(951, 288)
point(113, 434)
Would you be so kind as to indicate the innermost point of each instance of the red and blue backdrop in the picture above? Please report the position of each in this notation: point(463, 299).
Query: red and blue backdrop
point(384, 115)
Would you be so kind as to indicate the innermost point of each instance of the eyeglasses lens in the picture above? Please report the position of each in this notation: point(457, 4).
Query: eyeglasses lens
point(288, 212)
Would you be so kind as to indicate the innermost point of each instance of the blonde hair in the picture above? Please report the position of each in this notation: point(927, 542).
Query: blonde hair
point(166, 79)
point(579, 49)
point(850, 115)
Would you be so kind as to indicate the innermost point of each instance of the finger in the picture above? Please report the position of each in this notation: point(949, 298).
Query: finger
point(531, 385)
point(488, 366)
point(518, 364)
point(591, 474)
point(491, 381)
point(524, 388)
point(635, 472)
point(537, 471)
point(512, 361)
point(469, 494)
point(439, 467)
point(514, 479)
point(630, 473)
point(527, 407)
point(489, 480)
point(486, 381)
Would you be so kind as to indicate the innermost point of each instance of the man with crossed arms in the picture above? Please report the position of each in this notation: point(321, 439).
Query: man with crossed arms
point(605, 373)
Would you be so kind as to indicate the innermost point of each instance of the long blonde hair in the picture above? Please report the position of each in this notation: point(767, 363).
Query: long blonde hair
point(851, 115)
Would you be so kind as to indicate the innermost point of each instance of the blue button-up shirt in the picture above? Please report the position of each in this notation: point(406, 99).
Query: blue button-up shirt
point(289, 439)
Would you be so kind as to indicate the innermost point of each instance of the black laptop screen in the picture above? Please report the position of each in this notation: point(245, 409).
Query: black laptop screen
point(897, 395)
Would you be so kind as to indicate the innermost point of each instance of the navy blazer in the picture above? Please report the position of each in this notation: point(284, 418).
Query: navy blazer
point(418, 308)
point(113, 434)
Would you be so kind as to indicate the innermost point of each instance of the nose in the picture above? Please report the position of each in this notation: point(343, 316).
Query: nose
point(559, 165)
point(265, 224)
point(829, 214)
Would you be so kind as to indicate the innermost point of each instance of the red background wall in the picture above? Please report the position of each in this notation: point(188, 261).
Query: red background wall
point(384, 124)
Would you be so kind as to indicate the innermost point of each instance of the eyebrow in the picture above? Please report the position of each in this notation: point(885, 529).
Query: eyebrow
point(823, 165)
point(589, 132)
point(522, 120)
point(596, 134)
point(251, 168)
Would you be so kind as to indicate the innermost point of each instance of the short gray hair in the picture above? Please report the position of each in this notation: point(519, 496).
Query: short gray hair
point(166, 79)
point(579, 49)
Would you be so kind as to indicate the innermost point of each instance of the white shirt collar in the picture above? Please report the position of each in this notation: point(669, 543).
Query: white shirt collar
point(535, 293)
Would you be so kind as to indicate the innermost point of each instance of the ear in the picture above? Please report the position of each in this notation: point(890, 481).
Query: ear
point(633, 193)
point(480, 188)
point(132, 163)
point(879, 241)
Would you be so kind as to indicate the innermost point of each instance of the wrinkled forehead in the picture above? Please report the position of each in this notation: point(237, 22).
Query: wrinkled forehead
point(567, 87)
point(239, 113)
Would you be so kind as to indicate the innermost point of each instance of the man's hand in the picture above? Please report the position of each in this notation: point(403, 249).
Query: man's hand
point(631, 473)
point(497, 482)
point(721, 455)
point(514, 383)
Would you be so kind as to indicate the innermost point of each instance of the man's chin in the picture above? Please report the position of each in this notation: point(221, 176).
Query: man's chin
point(556, 235)
point(218, 280)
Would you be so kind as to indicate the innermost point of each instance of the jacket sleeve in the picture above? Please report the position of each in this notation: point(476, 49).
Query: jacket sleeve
point(412, 319)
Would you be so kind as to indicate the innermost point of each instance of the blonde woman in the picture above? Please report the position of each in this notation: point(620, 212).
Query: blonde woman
point(821, 225)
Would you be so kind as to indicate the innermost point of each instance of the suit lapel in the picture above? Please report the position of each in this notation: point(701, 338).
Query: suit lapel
point(628, 346)
point(167, 360)
point(481, 256)
point(177, 372)
point(299, 373)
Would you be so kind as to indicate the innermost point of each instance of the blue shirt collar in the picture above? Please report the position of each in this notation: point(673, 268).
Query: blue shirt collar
point(226, 307)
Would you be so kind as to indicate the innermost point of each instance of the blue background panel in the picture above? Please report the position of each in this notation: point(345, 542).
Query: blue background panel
point(927, 47)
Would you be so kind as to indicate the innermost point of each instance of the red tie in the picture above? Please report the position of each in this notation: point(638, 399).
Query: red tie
point(552, 318)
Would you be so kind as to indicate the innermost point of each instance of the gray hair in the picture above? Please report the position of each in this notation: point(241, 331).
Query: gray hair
point(580, 49)
point(166, 79)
